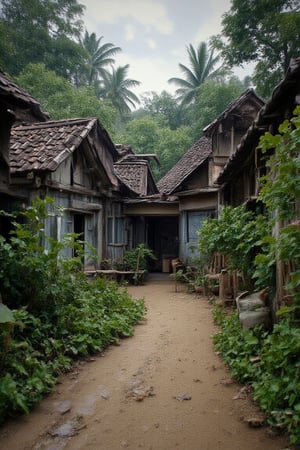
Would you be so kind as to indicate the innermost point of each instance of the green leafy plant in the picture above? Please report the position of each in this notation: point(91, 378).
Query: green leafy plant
point(137, 260)
point(280, 192)
point(238, 235)
point(268, 362)
point(55, 314)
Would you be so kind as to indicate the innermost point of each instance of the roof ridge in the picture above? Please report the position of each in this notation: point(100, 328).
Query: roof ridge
point(55, 123)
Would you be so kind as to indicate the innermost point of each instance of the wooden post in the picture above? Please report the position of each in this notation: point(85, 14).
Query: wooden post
point(223, 287)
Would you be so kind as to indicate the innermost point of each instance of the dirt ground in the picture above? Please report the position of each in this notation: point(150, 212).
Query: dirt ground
point(163, 389)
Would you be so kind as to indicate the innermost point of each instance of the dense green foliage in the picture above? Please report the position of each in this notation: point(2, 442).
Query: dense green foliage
point(152, 135)
point(50, 33)
point(203, 67)
point(56, 314)
point(138, 258)
point(62, 100)
point(163, 107)
point(162, 127)
point(212, 98)
point(281, 193)
point(270, 363)
point(237, 234)
point(246, 238)
point(265, 32)
point(41, 32)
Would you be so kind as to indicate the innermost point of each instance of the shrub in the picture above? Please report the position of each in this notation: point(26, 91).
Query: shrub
point(237, 234)
point(269, 363)
point(57, 314)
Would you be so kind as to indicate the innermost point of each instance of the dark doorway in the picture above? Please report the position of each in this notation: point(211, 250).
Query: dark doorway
point(79, 225)
point(163, 239)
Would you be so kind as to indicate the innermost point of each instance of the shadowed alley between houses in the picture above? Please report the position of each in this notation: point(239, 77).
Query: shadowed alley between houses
point(163, 389)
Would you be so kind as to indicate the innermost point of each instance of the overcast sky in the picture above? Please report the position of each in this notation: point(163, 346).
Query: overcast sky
point(154, 34)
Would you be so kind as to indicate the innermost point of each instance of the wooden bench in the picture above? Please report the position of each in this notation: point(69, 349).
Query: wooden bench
point(116, 275)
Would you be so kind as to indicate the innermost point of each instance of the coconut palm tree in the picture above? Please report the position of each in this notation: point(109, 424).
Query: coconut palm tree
point(202, 64)
point(99, 56)
point(116, 87)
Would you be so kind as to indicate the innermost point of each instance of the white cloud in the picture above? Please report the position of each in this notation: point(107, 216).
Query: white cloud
point(212, 25)
point(151, 43)
point(145, 12)
point(129, 32)
point(152, 72)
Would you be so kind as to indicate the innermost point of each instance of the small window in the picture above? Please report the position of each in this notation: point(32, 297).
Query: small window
point(195, 220)
point(115, 230)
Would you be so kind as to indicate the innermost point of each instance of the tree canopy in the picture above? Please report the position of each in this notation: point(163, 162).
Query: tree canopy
point(62, 100)
point(266, 32)
point(118, 89)
point(148, 134)
point(41, 31)
point(99, 57)
point(202, 68)
point(162, 106)
point(212, 98)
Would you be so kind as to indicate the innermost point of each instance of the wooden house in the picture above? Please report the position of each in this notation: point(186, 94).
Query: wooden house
point(239, 180)
point(148, 218)
point(192, 179)
point(16, 106)
point(70, 161)
point(75, 163)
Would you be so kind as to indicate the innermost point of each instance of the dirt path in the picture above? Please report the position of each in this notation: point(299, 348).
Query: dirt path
point(126, 398)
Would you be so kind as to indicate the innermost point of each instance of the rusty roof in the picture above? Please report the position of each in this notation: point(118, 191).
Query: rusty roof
point(44, 146)
point(13, 96)
point(189, 162)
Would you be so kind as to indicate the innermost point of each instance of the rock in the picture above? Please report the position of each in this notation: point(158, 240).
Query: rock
point(69, 429)
point(65, 430)
point(64, 407)
point(182, 397)
point(104, 393)
point(255, 422)
point(197, 380)
point(141, 393)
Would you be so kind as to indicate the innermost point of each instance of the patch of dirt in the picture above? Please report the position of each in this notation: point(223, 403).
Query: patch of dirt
point(162, 389)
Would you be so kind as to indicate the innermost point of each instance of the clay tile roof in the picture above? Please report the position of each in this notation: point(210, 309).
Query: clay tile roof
point(133, 175)
point(134, 171)
point(14, 96)
point(235, 105)
point(190, 161)
point(43, 146)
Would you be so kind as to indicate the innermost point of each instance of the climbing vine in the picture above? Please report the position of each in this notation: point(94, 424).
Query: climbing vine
point(280, 192)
